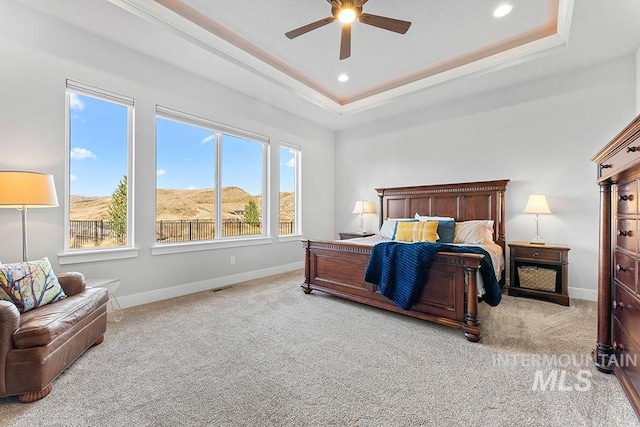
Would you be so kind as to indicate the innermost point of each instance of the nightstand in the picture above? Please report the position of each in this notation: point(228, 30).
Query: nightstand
point(539, 271)
point(354, 234)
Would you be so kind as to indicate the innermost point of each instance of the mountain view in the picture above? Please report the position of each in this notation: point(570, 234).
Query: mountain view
point(184, 204)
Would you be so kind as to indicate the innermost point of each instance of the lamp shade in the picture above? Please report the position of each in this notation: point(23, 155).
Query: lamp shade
point(27, 189)
point(363, 207)
point(537, 204)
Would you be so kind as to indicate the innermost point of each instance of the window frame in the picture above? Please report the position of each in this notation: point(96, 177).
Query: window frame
point(69, 255)
point(219, 241)
point(297, 187)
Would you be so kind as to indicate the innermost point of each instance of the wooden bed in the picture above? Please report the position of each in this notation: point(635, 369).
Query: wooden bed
point(449, 295)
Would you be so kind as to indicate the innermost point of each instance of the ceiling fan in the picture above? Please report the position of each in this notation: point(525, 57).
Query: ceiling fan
point(347, 11)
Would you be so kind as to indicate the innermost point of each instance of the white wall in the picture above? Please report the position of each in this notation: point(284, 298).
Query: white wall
point(38, 54)
point(540, 135)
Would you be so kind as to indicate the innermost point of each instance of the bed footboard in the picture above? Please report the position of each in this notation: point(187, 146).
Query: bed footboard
point(449, 294)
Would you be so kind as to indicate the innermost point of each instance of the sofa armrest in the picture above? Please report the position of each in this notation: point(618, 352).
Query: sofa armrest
point(72, 282)
point(9, 323)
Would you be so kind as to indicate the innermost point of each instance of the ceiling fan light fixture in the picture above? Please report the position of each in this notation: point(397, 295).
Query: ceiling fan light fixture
point(347, 15)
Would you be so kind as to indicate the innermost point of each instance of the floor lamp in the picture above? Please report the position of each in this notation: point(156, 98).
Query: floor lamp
point(21, 190)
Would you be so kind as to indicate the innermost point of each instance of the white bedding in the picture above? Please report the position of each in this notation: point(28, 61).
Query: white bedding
point(494, 250)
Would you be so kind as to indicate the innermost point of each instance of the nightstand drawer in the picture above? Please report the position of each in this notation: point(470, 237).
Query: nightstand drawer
point(535, 254)
point(539, 271)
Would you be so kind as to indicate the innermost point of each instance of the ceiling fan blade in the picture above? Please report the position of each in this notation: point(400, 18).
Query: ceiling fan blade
point(335, 3)
point(361, 3)
point(309, 27)
point(385, 23)
point(345, 42)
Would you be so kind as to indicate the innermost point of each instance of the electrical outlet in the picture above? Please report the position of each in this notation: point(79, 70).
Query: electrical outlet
point(232, 260)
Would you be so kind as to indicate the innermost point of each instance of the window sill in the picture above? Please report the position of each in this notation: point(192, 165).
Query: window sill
point(176, 248)
point(97, 255)
point(290, 238)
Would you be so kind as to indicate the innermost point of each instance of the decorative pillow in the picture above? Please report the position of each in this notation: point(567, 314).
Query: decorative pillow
point(30, 284)
point(474, 232)
point(398, 221)
point(446, 227)
point(388, 228)
point(416, 231)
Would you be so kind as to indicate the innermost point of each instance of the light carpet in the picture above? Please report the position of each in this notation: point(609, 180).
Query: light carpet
point(262, 353)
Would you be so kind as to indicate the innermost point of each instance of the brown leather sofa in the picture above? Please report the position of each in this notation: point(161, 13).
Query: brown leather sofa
point(37, 346)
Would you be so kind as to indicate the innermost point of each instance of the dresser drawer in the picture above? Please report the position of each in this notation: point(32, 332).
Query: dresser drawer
point(625, 270)
point(537, 254)
point(626, 310)
point(626, 358)
point(626, 234)
point(614, 164)
point(628, 198)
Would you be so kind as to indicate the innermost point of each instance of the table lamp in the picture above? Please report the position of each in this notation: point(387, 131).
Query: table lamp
point(363, 207)
point(21, 190)
point(537, 204)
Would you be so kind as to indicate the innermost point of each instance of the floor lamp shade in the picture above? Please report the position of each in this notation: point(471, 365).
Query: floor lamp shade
point(21, 190)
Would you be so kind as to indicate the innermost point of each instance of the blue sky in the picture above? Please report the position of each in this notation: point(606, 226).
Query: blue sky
point(185, 153)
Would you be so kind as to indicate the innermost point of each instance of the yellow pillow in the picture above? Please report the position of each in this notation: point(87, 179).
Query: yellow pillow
point(416, 231)
point(425, 231)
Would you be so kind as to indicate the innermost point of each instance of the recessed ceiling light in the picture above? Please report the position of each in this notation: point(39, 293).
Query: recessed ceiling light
point(343, 77)
point(502, 10)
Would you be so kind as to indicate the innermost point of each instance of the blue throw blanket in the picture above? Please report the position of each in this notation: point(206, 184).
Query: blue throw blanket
point(399, 270)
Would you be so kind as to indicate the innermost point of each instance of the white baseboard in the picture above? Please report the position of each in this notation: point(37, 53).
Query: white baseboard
point(205, 285)
point(586, 294)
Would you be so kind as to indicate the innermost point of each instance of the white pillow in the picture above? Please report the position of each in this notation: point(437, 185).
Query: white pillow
point(433, 218)
point(388, 229)
point(474, 232)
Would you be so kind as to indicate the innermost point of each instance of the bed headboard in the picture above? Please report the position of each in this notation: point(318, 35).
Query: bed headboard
point(463, 202)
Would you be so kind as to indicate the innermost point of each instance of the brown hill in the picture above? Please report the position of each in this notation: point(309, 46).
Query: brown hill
point(183, 204)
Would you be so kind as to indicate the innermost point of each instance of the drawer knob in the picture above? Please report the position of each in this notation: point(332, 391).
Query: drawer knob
point(616, 305)
point(632, 149)
point(606, 166)
point(536, 255)
point(624, 233)
point(626, 197)
point(622, 269)
point(618, 346)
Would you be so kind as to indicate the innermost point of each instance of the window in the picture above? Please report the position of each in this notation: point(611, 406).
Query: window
point(100, 140)
point(289, 211)
point(200, 162)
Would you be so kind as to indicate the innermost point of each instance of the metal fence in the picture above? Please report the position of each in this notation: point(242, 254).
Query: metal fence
point(98, 233)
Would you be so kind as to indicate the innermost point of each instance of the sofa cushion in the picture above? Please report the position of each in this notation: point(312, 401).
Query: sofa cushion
point(42, 326)
point(29, 284)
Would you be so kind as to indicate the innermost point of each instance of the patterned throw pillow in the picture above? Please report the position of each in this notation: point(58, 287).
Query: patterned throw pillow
point(29, 284)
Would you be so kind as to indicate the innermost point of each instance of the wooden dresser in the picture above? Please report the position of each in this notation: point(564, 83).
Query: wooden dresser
point(618, 341)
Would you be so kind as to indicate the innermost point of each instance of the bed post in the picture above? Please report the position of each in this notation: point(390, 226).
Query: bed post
point(471, 325)
point(382, 216)
point(307, 267)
